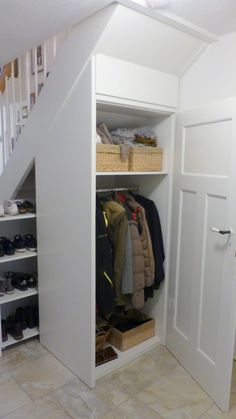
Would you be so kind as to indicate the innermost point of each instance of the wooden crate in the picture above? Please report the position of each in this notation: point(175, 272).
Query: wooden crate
point(109, 159)
point(127, 340)
point(145, 159)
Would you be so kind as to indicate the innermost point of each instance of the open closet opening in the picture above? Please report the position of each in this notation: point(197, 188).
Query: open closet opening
point(151, 187)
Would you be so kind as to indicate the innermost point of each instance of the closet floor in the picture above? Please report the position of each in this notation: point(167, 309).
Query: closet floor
point(34, 385)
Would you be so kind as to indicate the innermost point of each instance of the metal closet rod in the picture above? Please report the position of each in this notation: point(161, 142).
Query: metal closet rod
point(122, 189)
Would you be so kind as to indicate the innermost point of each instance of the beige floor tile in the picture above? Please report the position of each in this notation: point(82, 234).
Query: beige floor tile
point(11, 395)
point(215, 413)
point(37, 378)
point(19, 355)
point(163, 356)
point(133, 409)
point(135, 377)
point(44, 408)
point(176, 396)
point(79, 401)
point(127, 380)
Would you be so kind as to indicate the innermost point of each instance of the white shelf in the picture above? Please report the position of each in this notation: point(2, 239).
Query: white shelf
point(17, 217)
point(18, 256)
point(131, 173)
point(18, 295)
point(127, 356)
point(28, 333)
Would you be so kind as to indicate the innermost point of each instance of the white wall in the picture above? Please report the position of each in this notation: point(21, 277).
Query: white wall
point(213, 75)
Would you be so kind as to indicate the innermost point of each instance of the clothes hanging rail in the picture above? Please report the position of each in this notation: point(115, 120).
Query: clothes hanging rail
point(122, 189)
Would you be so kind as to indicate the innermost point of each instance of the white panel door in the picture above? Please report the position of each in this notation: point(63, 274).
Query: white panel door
point(202, 294)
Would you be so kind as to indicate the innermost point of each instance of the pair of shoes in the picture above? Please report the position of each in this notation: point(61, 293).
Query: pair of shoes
point(22, 281)
point(27, 317)
point(16, 207)
point(6, 286)
point(28, 242)
point(19, 244)
point(6, 247)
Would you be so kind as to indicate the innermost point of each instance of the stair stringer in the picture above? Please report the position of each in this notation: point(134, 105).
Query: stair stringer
point(69, 64)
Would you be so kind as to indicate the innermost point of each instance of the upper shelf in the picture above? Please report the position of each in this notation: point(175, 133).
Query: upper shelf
point(17, 217)
point(131, 173)
point(18, 256)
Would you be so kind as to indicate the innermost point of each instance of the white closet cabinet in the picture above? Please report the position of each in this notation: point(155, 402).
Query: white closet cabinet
point(66, 191)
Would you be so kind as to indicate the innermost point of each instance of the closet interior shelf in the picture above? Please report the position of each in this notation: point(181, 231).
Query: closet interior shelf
point(122, 189)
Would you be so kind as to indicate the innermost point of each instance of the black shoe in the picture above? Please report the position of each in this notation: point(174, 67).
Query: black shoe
point(8, 246)
point(4, 331)
point(14, 328)
point(19, 244)
point(20, 317)
point(36, 315)
point(29, 317)
point(31, 242)
point(31, 280)
point(2, 250)
point(18, 280)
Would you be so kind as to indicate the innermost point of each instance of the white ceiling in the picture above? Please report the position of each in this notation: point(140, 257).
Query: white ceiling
point(25, 23)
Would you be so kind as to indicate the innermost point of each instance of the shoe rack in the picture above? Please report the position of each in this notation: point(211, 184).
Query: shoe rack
point(19, 262)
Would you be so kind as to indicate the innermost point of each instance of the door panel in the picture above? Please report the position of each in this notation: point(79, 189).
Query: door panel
point(202, 293)
point(185, 251)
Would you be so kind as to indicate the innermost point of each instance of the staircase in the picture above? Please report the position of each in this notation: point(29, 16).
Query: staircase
point(21, 82)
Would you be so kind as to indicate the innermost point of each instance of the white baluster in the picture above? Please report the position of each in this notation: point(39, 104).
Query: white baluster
point(45, 64)
point(8, 120)
point(20, 121)
point(35, 60)
point(54, 47)
point(13, 104)
point(2, 130)
point(27, 79)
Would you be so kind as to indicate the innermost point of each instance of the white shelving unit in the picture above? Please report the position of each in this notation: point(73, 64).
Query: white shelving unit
point(12, 225)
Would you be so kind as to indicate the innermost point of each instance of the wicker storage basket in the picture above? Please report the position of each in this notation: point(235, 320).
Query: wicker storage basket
point(109, 159)
point(101, 338)
point(145, 159)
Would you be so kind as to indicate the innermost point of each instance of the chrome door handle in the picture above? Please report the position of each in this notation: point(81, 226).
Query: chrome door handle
point(217, 230)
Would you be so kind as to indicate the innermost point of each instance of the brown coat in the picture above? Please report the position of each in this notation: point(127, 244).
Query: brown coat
point(145, 239)
point(118, 225)
point(137, 299)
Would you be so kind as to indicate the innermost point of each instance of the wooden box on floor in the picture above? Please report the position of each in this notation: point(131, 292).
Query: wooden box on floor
point(126, 340)
point(109, 159)
point(145, 159)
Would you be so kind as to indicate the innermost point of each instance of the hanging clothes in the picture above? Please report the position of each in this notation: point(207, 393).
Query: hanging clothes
point(118, 226)
point(155, 230)
point(105, 289)
point(138, 264)
point(145, 239)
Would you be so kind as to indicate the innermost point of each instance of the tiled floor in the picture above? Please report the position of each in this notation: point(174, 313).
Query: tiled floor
point(34, 385)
